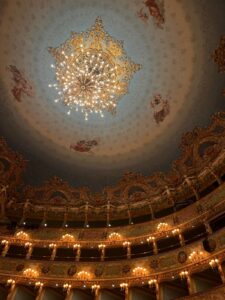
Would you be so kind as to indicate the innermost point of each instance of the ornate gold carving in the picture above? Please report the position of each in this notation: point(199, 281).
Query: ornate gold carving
point(219, 55)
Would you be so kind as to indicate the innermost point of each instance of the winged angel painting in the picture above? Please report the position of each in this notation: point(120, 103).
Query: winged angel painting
point(154, 9)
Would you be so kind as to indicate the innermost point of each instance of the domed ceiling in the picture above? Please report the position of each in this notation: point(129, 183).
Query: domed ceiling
point(177, 88)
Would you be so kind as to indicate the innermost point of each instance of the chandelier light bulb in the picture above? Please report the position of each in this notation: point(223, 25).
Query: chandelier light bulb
point(92, 71)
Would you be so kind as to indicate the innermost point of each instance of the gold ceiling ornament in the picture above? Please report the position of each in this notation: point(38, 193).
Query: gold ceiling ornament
point(93, 71)
point(219, 55)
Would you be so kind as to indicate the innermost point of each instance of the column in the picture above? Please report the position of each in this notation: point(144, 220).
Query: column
point(102, 249)
point(107, 214)
point(86, 214)
point(3, 199)
point(128, 245)
point(129, 215)
point(184, 275)
point(181, 239)
point(29, 247)
point(207, 227)
point(179, 233)
point(170, 197)
point(215, 263)
point(189, 183)
point(40, 292)
point(152, 212)
point(218, 179)
point(221, 272)
point(54, 248)
point(96, 289)
point(155, 283)
point(12, 289)
point(124, 287)
point(65, 218)
point(44, 223)
point(67, 288)
point(78, 251)
point(6, 247)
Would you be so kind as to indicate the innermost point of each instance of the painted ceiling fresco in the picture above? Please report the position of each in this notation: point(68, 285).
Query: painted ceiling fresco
point(177, 88)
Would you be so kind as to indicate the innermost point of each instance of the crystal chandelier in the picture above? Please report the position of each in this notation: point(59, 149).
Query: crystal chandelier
point(92, 71)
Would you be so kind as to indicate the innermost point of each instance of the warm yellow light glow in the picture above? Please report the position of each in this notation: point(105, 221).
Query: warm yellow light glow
point(22, 235)
point(30, 273)
point(124, 286)
point(176, 231)
point(114, 236)
point(39, 284)
point(150, 239)
point(101, 246)
point(184, 274)
point(214, 263)
point(152, 282)
point(4, 242)
point(162, 226)
point(95, 287)
point(84, 275)
point(92, 71)
point(11, 281)
point(126, 244)
point(68, 238)
point(139, 271)
point(67, 286)
point(195, 256)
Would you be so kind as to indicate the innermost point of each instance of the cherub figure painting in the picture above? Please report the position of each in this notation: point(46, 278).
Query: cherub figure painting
point(84, 145)
point(21, 85)
point(154, 9)
point(160, 107)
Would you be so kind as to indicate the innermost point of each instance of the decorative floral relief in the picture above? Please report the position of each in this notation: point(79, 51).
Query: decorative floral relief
point(160, 107)
point(21, 85)
point(154, 9)
point(84, 145)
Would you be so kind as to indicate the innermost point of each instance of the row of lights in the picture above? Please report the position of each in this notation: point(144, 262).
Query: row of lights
point(84, 275)
point(114, 236)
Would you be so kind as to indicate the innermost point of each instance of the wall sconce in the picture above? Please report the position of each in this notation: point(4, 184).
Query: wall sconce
point(76, 246)
point(67, 286)
point(38, 284)
point(214, 263)
point(27, 244)
point(10, 282)
point(124, 286)
point(83, 275)
point(139, 271)
point(150, 239)
point(68, 238)
point(176, 231)
point(4, 242)
point(126, 243)
point(30, 273)
point(162, 226)
point(22, 235)
point(152, 282)
point(195, 256)
point(184, 274)
point(114, 236)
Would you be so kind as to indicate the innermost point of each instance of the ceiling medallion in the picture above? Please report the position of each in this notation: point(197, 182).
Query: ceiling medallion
point(93, 71)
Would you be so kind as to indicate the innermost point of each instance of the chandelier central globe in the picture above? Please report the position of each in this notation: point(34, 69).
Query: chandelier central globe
point(92, 71)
